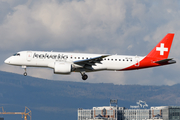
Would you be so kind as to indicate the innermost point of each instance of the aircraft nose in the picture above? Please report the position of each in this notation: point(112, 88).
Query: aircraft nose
point(7, 61)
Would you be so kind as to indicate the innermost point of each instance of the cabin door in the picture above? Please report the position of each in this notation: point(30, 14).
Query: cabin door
point(137, 61)
point(29, 56)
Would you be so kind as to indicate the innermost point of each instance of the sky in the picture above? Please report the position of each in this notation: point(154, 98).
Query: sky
point(123, 27)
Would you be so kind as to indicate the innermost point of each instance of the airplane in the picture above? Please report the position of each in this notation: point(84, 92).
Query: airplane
point(65, 63)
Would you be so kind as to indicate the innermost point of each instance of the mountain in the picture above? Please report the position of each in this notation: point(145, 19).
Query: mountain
point(49, 99)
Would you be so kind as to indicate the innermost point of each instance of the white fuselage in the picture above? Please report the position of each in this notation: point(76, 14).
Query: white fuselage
point(48, 59)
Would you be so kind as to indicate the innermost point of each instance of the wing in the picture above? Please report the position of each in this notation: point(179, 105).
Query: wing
point(90, 61)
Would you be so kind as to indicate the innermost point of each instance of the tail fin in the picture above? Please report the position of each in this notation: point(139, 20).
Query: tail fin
point(162, 49)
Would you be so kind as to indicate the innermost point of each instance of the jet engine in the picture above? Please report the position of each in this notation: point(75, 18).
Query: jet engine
point(62, 68)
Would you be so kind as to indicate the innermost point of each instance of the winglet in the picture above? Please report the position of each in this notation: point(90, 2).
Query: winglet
point(162, 49)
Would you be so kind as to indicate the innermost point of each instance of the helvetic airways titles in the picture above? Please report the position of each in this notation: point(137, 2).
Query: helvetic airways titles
point(52, 56)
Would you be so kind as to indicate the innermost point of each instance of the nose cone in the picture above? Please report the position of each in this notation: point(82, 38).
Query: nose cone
point(7, 61)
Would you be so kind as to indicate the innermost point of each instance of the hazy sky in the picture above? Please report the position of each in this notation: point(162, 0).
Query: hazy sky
point(127, 27)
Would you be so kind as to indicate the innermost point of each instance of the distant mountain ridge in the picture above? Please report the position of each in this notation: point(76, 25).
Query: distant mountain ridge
point(62, 98)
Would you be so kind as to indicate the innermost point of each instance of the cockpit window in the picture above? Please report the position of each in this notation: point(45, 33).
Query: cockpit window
point(17, 54)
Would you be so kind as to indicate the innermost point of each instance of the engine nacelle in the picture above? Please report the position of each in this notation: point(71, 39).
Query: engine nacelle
point(62, 68)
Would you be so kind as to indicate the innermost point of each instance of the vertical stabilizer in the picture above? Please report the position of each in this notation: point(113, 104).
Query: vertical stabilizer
point(162, 49)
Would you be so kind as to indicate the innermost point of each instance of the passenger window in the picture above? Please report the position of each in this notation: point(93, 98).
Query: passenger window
point(78, 57)
point(115, 59)
point(112, 59)
point(82, 57)
point(74, 57)
point(123, 59)
point(119, 59)
point(108, 59)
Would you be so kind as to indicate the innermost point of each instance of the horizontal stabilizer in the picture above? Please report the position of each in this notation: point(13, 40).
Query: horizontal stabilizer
point(166, 61)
